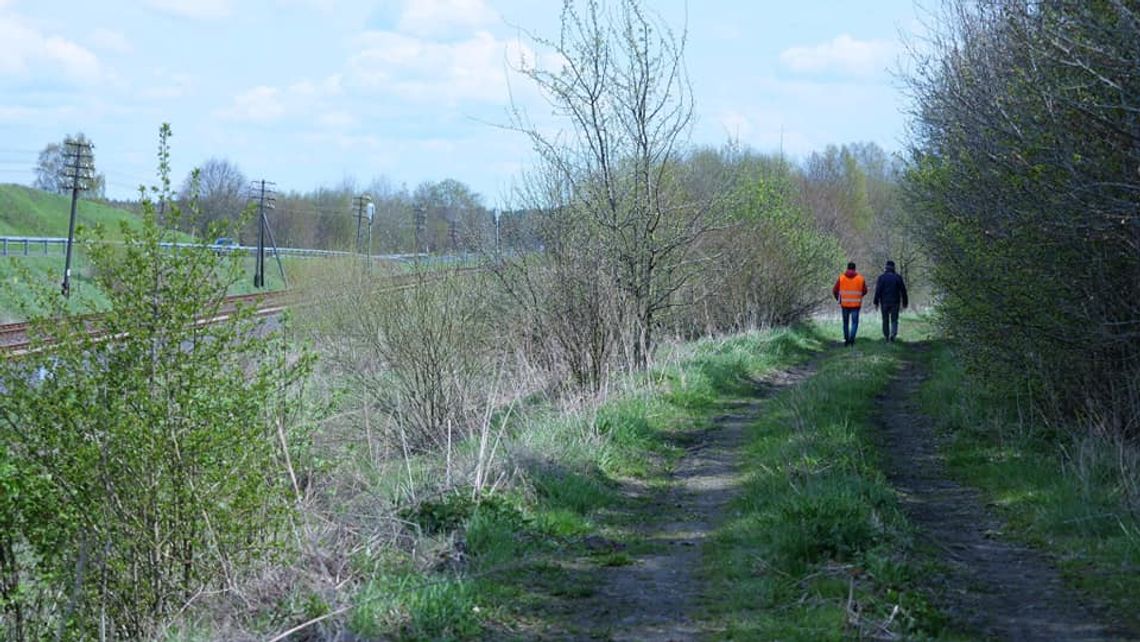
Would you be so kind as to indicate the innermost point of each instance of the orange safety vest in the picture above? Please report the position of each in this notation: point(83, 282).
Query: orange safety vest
point(851, 290)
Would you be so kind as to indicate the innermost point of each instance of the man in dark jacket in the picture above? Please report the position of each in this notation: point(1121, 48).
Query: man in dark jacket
point(890, 291)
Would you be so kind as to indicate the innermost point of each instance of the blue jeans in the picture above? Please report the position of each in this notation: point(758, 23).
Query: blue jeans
point(850, 319)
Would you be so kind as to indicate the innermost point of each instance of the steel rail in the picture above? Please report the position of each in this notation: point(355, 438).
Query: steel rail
point(14, 336)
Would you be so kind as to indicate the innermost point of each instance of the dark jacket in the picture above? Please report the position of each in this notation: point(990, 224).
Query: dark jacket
point(890, 289)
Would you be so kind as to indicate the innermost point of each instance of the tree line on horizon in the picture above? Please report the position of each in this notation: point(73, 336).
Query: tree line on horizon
point(851, 191)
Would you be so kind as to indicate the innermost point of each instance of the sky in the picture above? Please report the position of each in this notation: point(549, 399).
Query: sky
point(309, 93)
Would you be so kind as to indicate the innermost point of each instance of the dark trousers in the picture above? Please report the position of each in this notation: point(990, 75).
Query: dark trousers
point(850, 324)
point(890, 321)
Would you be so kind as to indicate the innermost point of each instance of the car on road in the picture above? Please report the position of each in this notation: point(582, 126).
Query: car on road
point(225, 245)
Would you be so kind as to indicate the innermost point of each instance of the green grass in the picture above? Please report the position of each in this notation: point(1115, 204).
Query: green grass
point(31, 212)
point(18, 275)
point(532, 552)
point(16, 294)
point(1077, 498)
point(816, 529)
point(817, 524)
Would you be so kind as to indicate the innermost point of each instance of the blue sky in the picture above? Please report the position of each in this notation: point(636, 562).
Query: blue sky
point(307, 93)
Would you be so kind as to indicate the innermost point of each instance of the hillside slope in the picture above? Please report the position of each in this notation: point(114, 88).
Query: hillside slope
point(31, 212)
point(25, 211)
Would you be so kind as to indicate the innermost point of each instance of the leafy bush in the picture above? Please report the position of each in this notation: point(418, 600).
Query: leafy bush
point(142, 462)
point(770, 263)
point(1024, 177)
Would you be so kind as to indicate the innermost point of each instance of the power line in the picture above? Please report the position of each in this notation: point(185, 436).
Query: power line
point(113, 173)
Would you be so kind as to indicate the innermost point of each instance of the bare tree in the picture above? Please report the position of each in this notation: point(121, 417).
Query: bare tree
point(219, 187)
point(624, 94)
point(50, 170)
point(452, 213)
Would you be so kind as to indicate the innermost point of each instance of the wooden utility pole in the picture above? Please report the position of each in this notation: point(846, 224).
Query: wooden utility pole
point(419, 219)
point(263, 192)
point(80, 161)
point(498, 215)
point(360, 206)
point(364, 210)
point(371, 211)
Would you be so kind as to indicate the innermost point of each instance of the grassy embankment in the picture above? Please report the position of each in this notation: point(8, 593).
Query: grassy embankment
point(814, 548)
point(516, 562)
point(815, 530)
point(30, 212)
point(1070, 494)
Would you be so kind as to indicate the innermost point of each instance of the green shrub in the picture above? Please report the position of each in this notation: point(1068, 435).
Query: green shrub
point(142, 464)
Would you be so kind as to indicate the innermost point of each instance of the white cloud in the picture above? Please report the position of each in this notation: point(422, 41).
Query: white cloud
point(337, 119)
point(18, 115)
point(423, 70)
point(434, 18)
point(261, 104)
point(24, 51)
point(72, 57)
point(196, 9)
point(324, 6)
point(109, 40)
point(737, 126)
point(844, 54)
point(798, 116)
point(265, 104)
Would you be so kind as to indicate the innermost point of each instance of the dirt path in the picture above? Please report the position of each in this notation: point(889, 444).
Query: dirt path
point(994, 588)
point(657, 597)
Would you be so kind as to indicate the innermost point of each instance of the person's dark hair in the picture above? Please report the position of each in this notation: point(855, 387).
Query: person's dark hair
point(890, 264)
point(851, 265)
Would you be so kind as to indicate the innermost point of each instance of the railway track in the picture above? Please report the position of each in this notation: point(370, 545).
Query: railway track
point(14, 336)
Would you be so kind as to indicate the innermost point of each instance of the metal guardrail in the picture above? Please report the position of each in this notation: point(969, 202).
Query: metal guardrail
point(23, 245)
point(39, 246)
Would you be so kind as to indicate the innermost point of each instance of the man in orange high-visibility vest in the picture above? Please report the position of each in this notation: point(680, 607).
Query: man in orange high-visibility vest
point(849, 290)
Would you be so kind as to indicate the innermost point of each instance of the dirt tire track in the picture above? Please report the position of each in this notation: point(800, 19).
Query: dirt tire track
point(656, 599)
point(995, 588)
